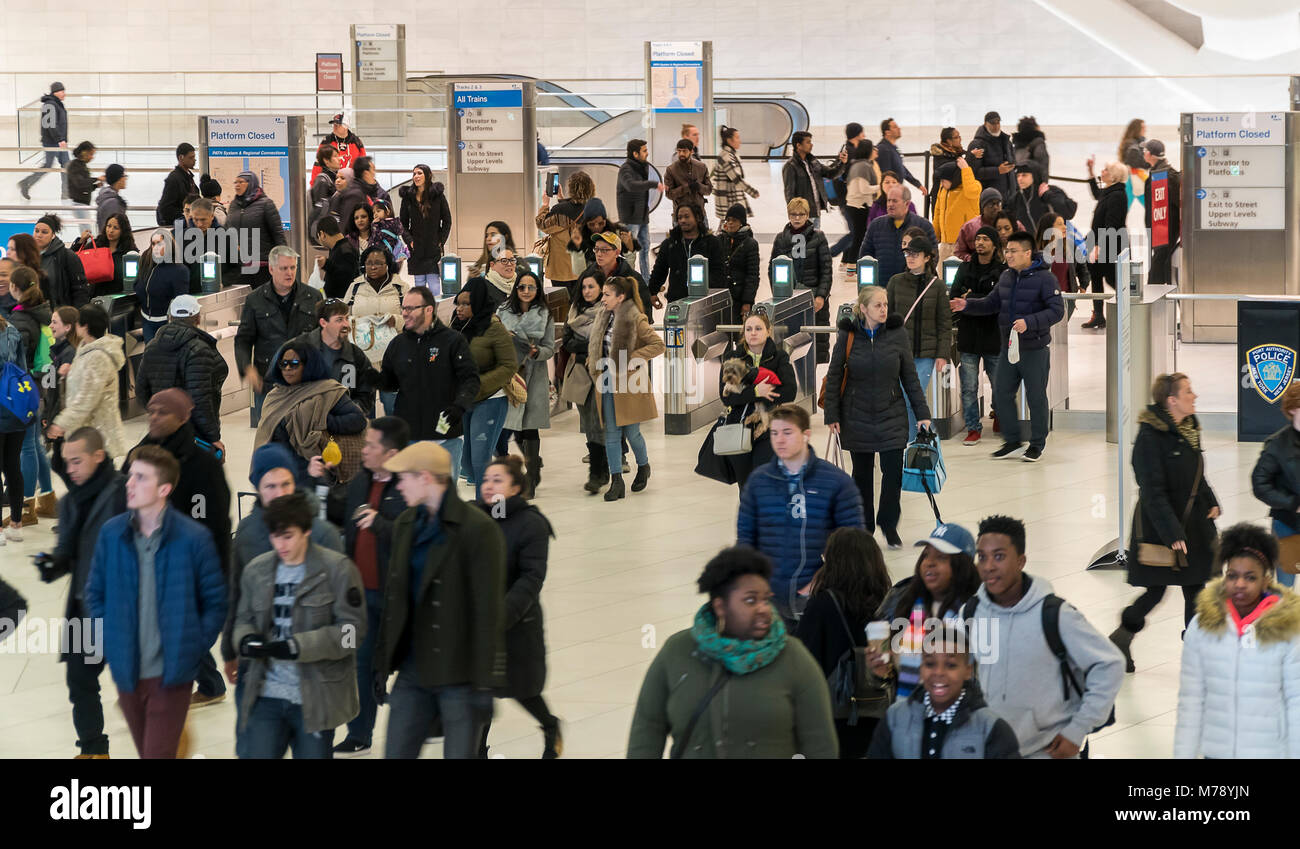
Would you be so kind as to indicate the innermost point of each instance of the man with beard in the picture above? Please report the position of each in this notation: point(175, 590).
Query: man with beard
point(347, 363)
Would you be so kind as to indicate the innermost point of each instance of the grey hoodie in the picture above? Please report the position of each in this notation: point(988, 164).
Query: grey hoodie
point(1022, 684)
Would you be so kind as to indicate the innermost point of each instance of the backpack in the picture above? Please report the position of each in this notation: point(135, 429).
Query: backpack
point(1052, 634)
point(43, 359)
point(20, 397)
point(853, 692)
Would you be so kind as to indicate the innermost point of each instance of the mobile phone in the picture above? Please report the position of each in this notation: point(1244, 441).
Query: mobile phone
point(553, 184)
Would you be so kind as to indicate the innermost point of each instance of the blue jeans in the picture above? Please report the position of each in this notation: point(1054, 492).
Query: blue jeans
point(844, 241)
point(454, 447)
point(642, 234)
point(362, 727)
point(389, 400)
point(463, 710)
point(1280, 530)
point(275, 724)
point(614, 437)
point(255, 411)
point(969, 374)
point(51, 156)
point(924, 371)
point(150, 328)
point(433, 281)
point(35, 462)
point(482, 423)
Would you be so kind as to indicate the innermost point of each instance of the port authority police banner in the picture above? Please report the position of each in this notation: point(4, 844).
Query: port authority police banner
point(1268, 337)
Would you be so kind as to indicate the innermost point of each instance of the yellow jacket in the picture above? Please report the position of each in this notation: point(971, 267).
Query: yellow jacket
point(954, 207)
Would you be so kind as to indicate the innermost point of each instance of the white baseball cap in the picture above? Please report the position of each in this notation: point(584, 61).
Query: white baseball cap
point(183, 306)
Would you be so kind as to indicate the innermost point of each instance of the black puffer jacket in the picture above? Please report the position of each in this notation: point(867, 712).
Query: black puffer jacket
point(1165, 464)
point(670, 264)
point(1028, 205)
point(65, 284)
point(871, 412)
point(262, 329)
point(527, 533)
point(186, 357)
point(812, 270)
point(1275, 479)
point(738, 404)
point(256, 223)
point(428, 231)
point(977, 334)
point(740, 259)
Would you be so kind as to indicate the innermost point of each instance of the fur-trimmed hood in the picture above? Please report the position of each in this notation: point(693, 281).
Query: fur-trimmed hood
point(1160, 419)
point(1279, 624)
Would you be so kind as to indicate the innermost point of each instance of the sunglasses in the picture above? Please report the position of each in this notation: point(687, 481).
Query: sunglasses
point(290, 363)
point(527, 287)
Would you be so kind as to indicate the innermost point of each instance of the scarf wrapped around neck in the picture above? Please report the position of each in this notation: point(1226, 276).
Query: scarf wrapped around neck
point(505, 285)
point(738, 656)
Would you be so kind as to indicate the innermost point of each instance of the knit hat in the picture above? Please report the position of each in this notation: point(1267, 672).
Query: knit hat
point(737, 211)
point(272, 455)
point(113, 173)
point(56, 86)
point(988, 195)
point(1155, 147)
point(173, 401)
point(593, 208)
point(209, 187)
point(991, 232)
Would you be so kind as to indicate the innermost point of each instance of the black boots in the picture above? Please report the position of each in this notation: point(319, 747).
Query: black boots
point(1123, 639)
point(1097, 322)
point(642, 477)
point(615, 491)
point(598, 472)
point(532, 449)
point(553, 745)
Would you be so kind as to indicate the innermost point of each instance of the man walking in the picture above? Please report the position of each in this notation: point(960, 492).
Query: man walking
point(888, 156)
point(178, 186)
point(273, 315)
point(802, 175)
point(54, 133)
point(632, 197)
point(1164, 196)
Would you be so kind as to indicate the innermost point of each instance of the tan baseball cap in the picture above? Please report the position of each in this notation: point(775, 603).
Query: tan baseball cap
point(421, 457)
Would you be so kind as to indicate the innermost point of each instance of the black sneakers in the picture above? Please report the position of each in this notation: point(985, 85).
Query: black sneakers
point(1033, 455)
point(1008, 449)
point(351, 748)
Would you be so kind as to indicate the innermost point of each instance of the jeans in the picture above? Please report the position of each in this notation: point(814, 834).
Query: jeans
point(1280, 531)
point(255, 410)
point(35, 462)
point(276, 724)
point(891, 487)
point(846, 240)
point(1032, 370)
point(432, 281)
point(924, 371)
point(464, 712)
point(970, 386)
point(482, 423)
point(642, 234)
point(362, 727)
point(51, 156)
point(389, 400)
point(149, 329)
point(210, 681)
point(156, 716)
point(87, 710)
point(614, 434)
point(455, 447)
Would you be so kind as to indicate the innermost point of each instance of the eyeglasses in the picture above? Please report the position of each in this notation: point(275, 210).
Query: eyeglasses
point(505, 260)
point(290, 363)
point(604, 249)
point(413, 309)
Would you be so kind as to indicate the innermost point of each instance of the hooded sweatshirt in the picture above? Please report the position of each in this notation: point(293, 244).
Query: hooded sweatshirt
point(1021, 678)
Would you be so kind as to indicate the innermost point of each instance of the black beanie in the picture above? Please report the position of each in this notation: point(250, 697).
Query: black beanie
point(737, 211)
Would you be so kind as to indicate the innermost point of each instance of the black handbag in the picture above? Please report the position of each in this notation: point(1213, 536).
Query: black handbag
point(854, 691)
point(709, 464)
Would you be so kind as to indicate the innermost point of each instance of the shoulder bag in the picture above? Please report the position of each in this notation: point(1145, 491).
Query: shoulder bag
point(97, 263)
point(852, 692)
point(731, 439)
point(844, 377)
point(1162, 556)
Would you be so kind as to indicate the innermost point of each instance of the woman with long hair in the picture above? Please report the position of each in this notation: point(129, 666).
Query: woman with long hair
point(851, 583)
point(1053, 237)
point(1130, 144)
point(163, 277)
point(620, 373)
point(862, 187)
point(759, 351)
point(577, 342)
point(426, 215)
point(11, 443)
point(528, 319)
point(944, 579)
point(118, 238)
point(728, 177)
point(22, 249)
point(557, 226)
point(496, 238)
point(527, 533)
point(63, 325)
point(494, 353)
point(323, 185)
point(360, 228)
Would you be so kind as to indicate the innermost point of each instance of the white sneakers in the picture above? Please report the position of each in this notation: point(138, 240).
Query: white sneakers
point(12, 533)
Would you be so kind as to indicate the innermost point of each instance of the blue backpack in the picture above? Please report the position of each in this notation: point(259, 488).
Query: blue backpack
point(20, 398)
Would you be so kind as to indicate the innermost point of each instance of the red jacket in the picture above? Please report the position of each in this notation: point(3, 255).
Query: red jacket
point(349, 150)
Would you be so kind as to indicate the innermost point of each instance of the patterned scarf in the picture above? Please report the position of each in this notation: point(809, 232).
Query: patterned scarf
point(1188, 430)
point(739, 656)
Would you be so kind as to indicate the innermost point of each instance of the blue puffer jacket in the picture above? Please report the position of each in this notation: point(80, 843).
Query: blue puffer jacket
point(191, 595)
point(884, 241)
point(1032, 294)
point(791, 527)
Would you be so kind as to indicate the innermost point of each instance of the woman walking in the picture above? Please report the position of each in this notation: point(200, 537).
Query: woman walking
point(527, 534)
point(1173, 524)
point(865, 406)
point(621, 374)
point(32, 317)
point(728, 177)
point(528, 320)
point(494, 354)
point(577, 341)
point(426, 216)
point(862, 187)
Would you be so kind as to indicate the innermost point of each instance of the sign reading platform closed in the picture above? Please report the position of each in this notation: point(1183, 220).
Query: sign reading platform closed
point(1268, 339)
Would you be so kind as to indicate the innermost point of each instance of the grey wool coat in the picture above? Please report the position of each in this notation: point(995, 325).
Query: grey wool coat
point(534, 327)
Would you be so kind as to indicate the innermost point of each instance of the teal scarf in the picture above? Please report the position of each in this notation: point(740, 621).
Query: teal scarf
point(738, 656)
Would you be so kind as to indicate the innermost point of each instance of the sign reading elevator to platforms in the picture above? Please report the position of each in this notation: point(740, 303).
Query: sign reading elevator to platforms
point(251, 143)
point(677, 76)
point(376, 53)
point(491, 127)
point(1243, 166)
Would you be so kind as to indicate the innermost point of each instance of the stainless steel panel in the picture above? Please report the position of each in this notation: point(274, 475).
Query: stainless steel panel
point(691, 385)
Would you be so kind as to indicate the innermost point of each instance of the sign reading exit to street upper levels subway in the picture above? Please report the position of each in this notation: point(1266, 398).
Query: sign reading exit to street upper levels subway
point(1238, 128)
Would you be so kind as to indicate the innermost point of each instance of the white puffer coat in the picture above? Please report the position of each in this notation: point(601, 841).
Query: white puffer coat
point(368, 306)
point(1240, 695)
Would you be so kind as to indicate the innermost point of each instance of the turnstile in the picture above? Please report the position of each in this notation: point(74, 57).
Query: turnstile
point(788, 317)
point(693, 360)
point(1151, 337)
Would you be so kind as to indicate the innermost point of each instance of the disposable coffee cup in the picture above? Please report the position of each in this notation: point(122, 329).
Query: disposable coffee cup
point(878, 637)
